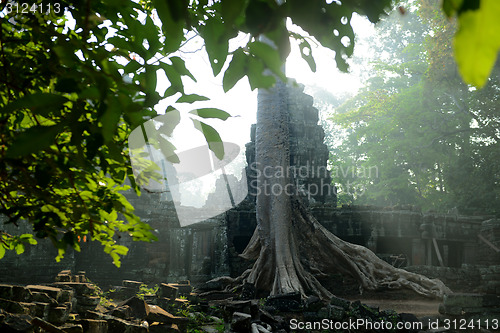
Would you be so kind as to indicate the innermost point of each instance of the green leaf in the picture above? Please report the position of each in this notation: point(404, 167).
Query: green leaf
point(38, 103)
point(151, 33)
point(236, 70)
point(216, 39)
point(476, 42)
point(211, 113)
point(19, 248)
point(168, 150)
point(116, 259)
point(33, 140)
point(110, 118)
point(2, 250)
point(232, 10)
point(212, 136)
point(120, 249)
point(256, 77)
point(132, 67)
point(172, 23)
point(191, 98)
point(270, 56)
point(180, 67)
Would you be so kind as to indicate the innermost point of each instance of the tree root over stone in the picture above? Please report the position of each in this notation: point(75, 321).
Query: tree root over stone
point(313, 252)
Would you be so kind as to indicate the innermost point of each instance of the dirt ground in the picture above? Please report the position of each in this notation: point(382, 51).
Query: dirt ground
point(400, 302)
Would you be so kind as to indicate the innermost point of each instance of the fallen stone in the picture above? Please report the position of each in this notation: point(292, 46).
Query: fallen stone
point(88, 300)
point(241, 322)
point(94, 325)
point(42, 310)
point(14, 293)
point(58, 315)
point(43, 298)
point(285, 302)
point(313, 303)
point(132, 284)
point(164, 328)
point(68, 295)
point(72, 328)
point(13, 307)
point(16, 323)
point(53, 292)
point(364, 311)
point(123, 292)
point(122, 312)
point(463, 300)
point(183, 289)
point(63, 278)
point(167, 291)
point(79, 287)
point(336, 313)
point(117, 325)
point(157, 314)
point(166, 302)
point(237, 306)
point(343, 303)
point(138, 307)
point(46, 326)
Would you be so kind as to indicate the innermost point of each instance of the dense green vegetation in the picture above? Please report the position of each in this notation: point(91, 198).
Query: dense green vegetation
point(417, 134)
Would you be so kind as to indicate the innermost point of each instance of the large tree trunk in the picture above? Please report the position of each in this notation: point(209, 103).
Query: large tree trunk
point(290, 247)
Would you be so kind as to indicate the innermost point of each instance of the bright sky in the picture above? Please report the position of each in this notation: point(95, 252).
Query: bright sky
point(241, 101)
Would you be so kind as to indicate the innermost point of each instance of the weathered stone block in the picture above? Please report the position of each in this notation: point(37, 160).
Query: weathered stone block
point(336, 312)
point(183, 289)
point(241, 322)
point(157, 314)
point(285, 302)
point(167, 291)
point(68, 295)
point(88, 300)
point(463, 300)
point(13, 307)
point(166, 302)
point(43, 298)
point(42, 310)
point(450, 310)
point(16, 323)
point(78, 287)
point(63, 278)
point(122, 312)
point(72, 328)
point(132, 284)
point(14, 293)
point(138, 307)
point(343, 303)
point(166, 328)
point(94, 325)
point(58, 315)
point(53, 292)
point(117, 325)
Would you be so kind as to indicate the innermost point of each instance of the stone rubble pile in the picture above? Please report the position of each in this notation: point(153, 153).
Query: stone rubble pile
point(71, 305)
